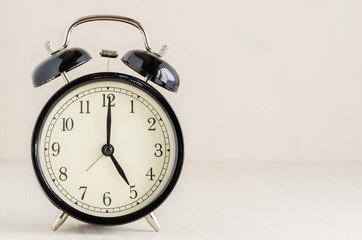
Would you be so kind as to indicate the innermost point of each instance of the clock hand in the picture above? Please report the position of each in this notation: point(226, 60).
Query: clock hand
point(108, 148)
point(119, 169)
point(94, 162)
point(109, 122)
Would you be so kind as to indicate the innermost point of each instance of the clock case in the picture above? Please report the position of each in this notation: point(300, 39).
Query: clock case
point(58, 202)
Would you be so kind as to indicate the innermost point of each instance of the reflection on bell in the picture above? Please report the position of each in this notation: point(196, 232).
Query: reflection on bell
point(157, 70)
point(54, 65)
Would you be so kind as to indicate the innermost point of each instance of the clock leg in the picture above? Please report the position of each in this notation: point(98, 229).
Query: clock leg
point(59, 220)
point(152, 220)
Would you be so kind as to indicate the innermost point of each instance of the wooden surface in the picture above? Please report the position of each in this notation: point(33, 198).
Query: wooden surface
point(212, 201)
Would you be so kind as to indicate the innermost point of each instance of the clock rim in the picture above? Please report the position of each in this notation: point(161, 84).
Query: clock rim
point(62, 205)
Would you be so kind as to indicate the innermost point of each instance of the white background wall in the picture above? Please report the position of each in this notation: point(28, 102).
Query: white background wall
point(260, 80)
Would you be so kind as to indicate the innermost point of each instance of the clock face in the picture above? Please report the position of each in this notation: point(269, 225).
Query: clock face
point(107, 148)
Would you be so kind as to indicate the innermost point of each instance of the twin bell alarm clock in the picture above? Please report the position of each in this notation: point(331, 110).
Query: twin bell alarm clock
point(107, 147)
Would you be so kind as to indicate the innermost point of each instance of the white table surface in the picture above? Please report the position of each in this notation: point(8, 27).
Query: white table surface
point(212, 201)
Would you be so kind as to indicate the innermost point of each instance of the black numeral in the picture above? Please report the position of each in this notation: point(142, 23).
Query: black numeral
point(159, 151)
point(84, 107)
point(108, 98)
point(106, 199)
point(152, 121)
point(133, 193)
point(132, 107)
point(56, 149)
point(150, 174)
point(63, 174)
point(84, 189)
point(68, 124)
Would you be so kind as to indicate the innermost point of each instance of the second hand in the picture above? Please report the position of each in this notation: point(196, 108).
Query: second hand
point(95, 162)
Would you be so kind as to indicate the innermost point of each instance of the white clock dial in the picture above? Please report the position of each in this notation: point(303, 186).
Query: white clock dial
point(74, 132)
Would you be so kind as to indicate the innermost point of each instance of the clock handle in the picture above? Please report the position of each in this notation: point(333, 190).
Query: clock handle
point(107, 18)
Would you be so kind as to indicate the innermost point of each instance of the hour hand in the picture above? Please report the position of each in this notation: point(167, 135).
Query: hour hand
point(119, 169)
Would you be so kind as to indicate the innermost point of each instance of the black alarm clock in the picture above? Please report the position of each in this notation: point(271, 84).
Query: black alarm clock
point(107, 148)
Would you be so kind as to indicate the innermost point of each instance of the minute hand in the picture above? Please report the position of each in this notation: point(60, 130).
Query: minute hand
point(109, 122)
point(119, 169)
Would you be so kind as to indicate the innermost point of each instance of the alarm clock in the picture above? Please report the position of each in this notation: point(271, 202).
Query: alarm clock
point(107, 148)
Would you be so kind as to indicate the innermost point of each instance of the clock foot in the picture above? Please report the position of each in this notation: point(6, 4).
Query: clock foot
point(152, 220)
point(59, 220)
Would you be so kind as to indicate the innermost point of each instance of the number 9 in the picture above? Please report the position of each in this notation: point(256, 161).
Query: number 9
point(56, 149)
